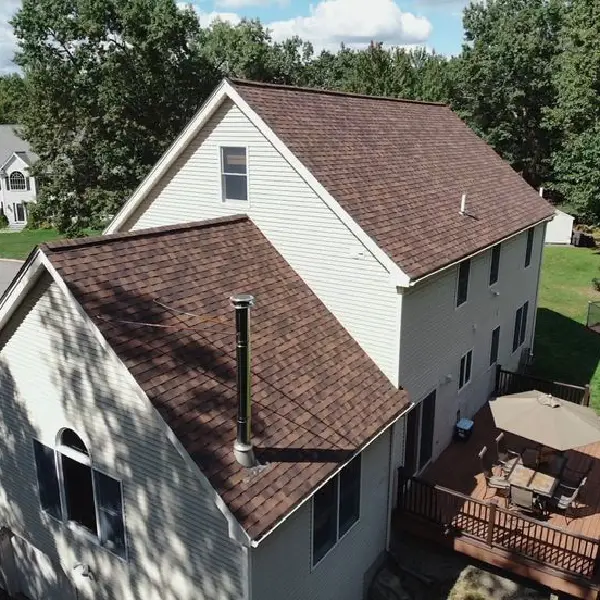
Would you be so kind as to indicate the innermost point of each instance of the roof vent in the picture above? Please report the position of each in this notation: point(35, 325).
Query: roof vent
point(463, 204)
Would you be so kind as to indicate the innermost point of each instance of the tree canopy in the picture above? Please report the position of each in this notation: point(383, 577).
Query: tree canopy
point(108, 84)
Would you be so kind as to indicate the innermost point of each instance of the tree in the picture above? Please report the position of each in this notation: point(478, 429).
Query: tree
point(12, 98)
point(576, 116)
point(505, 82)
point(110, 84)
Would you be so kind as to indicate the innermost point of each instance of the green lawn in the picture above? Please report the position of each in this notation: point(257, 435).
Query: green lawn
point(19, 245)
point(565, 350)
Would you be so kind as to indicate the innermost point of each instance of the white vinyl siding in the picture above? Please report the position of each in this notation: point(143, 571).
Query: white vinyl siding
point(317, 245)
point(55, 374)
point(13, 201)
point(434, 335)
point(282, 565)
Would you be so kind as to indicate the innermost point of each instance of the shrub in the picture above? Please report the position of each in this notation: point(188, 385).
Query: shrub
point(596, 283)
point(3, 220)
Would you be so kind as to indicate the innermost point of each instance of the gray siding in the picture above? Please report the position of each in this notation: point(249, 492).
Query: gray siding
point(54, 374)
point(318, 246)
point(435, 334)
point(281, 565)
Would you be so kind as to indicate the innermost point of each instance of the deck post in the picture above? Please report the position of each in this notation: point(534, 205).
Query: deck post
point(586, 395)
point(493, 505)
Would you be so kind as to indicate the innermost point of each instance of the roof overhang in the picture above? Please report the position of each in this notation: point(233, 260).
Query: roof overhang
point(226, 91)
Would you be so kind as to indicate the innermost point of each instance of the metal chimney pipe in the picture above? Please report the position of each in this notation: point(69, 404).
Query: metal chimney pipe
point(242, 447)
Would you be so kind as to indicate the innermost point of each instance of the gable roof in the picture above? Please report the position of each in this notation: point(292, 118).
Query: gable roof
point(10, 143)
point(317, 397)
point(400, 168)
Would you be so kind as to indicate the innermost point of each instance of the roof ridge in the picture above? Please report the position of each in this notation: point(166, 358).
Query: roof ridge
point(98, 240)
point(327, 92)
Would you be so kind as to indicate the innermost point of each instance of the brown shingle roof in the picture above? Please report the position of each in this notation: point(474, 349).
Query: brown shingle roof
point(317, 397)
point(400, 168)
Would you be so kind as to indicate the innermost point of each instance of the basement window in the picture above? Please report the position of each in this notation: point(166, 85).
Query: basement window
point(234, 174)
point(72, 491)
point(336, 508)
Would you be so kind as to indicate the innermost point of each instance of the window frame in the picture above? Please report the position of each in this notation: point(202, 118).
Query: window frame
point(496, 251)
point(520, 331)
point(10, 182)
point(463, 382)
point(222, 173)
point(338, 537)
point(15, 204)
point(497, 353)
point(529, 246)
point(79, 529)
point(466, 261)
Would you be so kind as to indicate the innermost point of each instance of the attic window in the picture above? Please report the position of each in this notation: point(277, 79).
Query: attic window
point(234, 174)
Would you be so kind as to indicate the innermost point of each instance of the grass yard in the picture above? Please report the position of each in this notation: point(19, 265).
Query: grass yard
point(565, 350)
point(20, 244)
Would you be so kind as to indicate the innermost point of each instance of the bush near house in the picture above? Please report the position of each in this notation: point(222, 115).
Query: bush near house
point(565, 349)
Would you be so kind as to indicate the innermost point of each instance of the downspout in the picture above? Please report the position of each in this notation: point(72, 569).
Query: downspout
point(537, 291)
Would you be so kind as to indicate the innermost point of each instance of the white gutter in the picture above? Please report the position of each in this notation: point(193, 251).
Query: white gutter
point(477, 252)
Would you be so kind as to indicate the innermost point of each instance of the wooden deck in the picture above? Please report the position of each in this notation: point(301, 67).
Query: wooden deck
point(458, 468)
point(450, 504)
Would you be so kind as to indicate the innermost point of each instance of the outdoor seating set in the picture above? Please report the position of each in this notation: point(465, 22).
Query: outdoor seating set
point(534, 481)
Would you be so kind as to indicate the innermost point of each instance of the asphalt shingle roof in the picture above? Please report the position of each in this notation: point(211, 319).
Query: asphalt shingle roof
point(317, 397)
point(400, 168)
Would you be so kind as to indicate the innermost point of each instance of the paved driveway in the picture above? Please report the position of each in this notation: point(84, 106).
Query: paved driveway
point(8, 269)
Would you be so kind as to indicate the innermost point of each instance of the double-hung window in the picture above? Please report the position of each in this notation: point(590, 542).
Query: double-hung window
point(495, 264)
point(529, 247)
point(520, 326)
point(462, 288)
point(234, 174)
point(72, 491)
point(494, 346)
point(336, 507)
point(466, 363)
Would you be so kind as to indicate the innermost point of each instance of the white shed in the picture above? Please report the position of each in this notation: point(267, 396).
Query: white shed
point(559, 230)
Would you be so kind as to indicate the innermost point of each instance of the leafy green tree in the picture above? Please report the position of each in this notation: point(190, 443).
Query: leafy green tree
point(110, 84)
point(576, 117)
point(504, 79)
point(12, 98)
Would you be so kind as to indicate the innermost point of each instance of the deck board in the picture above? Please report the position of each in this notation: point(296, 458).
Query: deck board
point(458, 468)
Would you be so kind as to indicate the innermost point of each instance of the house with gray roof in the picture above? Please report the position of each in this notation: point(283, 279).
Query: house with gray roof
point(17, 187)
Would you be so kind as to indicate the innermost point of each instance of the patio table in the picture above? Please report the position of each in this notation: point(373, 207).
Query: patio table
point(540, 483)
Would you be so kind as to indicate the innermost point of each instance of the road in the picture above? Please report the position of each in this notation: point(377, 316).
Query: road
point(8, 269)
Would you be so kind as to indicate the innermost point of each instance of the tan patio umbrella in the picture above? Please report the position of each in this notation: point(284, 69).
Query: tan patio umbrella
point(545, 419)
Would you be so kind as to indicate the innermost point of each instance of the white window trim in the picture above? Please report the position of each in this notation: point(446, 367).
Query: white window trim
point(233, 201)
point(521, 341)
point(314, 565)
point(532, 229)
point(492, 285)
point(456, 285)
point(499, 326)
point(11, 188)
point(79, 530)
point(468, 381)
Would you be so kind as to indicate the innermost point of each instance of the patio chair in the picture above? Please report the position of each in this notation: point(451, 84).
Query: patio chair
point(495, 482)
point(506, 458)
point(555, 464)
point(531, 458)
point(565, 497)
point(524, 499)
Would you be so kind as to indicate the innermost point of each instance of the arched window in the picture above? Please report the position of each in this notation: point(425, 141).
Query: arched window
point(73, 491)
point(17, 181)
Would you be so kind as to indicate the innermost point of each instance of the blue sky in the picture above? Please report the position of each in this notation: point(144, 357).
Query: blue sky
point(435, 24)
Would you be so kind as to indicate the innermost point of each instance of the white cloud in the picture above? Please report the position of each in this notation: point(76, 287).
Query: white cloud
point(8, 43)
point(332, 22)
point(237, 4)
point(206, 18)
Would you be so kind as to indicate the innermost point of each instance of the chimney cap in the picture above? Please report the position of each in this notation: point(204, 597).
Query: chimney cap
point(242, 300)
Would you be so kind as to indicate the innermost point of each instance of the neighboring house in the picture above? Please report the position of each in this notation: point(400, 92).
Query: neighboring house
point(389, 250)
point(17, 188)
point(560, 229)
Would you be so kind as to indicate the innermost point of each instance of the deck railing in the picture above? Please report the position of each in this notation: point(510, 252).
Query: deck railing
point(593, 314)
point(508, 382)
point(459, 515)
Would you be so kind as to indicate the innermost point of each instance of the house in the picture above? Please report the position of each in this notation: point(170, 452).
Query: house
point(560, 229)
point(393, 258)
point(17, 187)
